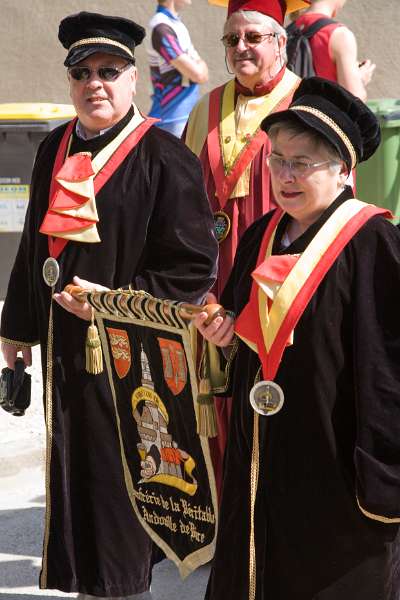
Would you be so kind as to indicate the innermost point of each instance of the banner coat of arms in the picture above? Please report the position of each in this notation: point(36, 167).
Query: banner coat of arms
point(167, 466)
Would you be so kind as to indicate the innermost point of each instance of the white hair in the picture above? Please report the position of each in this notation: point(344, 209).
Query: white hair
point(253, 16)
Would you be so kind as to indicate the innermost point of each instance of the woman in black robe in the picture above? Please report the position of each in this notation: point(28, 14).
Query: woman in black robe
point(311, 498)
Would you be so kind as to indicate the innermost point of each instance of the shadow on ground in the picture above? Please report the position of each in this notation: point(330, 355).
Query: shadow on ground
point(23, 573)
point(26, 597)
point(24, 530)
point(167, 585)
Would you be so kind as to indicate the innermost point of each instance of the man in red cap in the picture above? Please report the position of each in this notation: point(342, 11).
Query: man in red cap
point(223, 130)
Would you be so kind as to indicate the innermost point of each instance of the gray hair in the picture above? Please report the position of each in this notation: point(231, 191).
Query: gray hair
point(298, 129)
point(253, 16)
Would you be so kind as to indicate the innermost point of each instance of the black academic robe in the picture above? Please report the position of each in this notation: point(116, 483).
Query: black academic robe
point(156, 234)
point(336, 439)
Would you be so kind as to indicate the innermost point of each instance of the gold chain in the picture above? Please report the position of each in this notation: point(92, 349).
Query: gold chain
point(49, 439)
point(254, 473)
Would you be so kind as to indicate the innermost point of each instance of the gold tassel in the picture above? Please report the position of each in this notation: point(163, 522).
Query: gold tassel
point(94, 355)
point(206, 417)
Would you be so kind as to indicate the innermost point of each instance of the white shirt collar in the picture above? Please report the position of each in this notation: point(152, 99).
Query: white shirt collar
point(81, 133)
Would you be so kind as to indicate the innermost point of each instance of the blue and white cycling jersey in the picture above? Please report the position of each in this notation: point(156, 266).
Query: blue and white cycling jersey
point(173, 95)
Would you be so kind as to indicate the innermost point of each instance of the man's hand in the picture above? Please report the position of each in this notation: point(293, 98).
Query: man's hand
point(10, 352)
point(367, 69)
point(220, 331)
point(83, 310)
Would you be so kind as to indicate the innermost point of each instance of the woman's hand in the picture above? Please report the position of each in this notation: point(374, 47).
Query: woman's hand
point(83, 310)
point(220, 331)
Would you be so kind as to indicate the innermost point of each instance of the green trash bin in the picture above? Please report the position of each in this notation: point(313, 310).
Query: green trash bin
point(378, 179)
point(22, 127)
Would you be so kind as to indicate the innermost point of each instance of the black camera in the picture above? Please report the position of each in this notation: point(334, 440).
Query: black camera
point(15, 389)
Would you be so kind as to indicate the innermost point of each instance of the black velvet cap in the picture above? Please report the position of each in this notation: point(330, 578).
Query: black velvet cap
point(343, 119)
point(86, 33)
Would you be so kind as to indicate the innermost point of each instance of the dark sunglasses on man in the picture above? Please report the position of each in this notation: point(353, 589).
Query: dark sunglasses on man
point(250, 38)
point(103, 73)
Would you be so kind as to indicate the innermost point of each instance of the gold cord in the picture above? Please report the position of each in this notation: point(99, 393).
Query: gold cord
point(254, 474)
point(331, 123)
point(101, 40)
point(49, 439)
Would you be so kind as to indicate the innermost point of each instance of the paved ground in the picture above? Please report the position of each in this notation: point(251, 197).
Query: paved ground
point(22, 511)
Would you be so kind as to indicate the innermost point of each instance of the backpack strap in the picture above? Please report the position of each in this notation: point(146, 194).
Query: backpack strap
point(315, 27)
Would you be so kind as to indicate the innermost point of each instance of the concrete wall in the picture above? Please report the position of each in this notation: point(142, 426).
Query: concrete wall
point(31, 57)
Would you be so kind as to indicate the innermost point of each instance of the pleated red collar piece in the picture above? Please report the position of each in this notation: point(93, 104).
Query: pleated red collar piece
point(72, 213)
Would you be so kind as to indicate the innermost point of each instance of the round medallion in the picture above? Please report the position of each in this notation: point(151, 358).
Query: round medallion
point(266, 397)
point(222, 225)
point(51, 271)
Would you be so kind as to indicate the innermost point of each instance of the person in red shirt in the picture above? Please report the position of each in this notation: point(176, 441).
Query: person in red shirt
point(334, 49)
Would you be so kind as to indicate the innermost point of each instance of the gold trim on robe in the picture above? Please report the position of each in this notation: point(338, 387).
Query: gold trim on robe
point(20, 344)
point(379, 518)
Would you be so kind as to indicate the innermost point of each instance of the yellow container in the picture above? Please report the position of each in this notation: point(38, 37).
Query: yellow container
point(36, 111)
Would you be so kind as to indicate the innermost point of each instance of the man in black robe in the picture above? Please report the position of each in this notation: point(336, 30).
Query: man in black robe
point(148, 225)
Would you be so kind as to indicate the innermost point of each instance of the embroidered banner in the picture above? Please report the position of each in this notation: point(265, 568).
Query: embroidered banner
point(167, 466)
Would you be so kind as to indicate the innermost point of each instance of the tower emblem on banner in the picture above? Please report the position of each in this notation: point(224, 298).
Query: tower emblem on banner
point(162, 461)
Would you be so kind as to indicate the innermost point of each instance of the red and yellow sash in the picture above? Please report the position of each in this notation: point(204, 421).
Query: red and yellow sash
point(72, 213)
point(284, 284)
point(230, 152)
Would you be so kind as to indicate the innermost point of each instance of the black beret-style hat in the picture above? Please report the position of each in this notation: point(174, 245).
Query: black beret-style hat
point(341, 118)
point(86, 33)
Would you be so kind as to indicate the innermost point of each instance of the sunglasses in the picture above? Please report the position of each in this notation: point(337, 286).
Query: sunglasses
point(103, 73)
point(250, 38)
